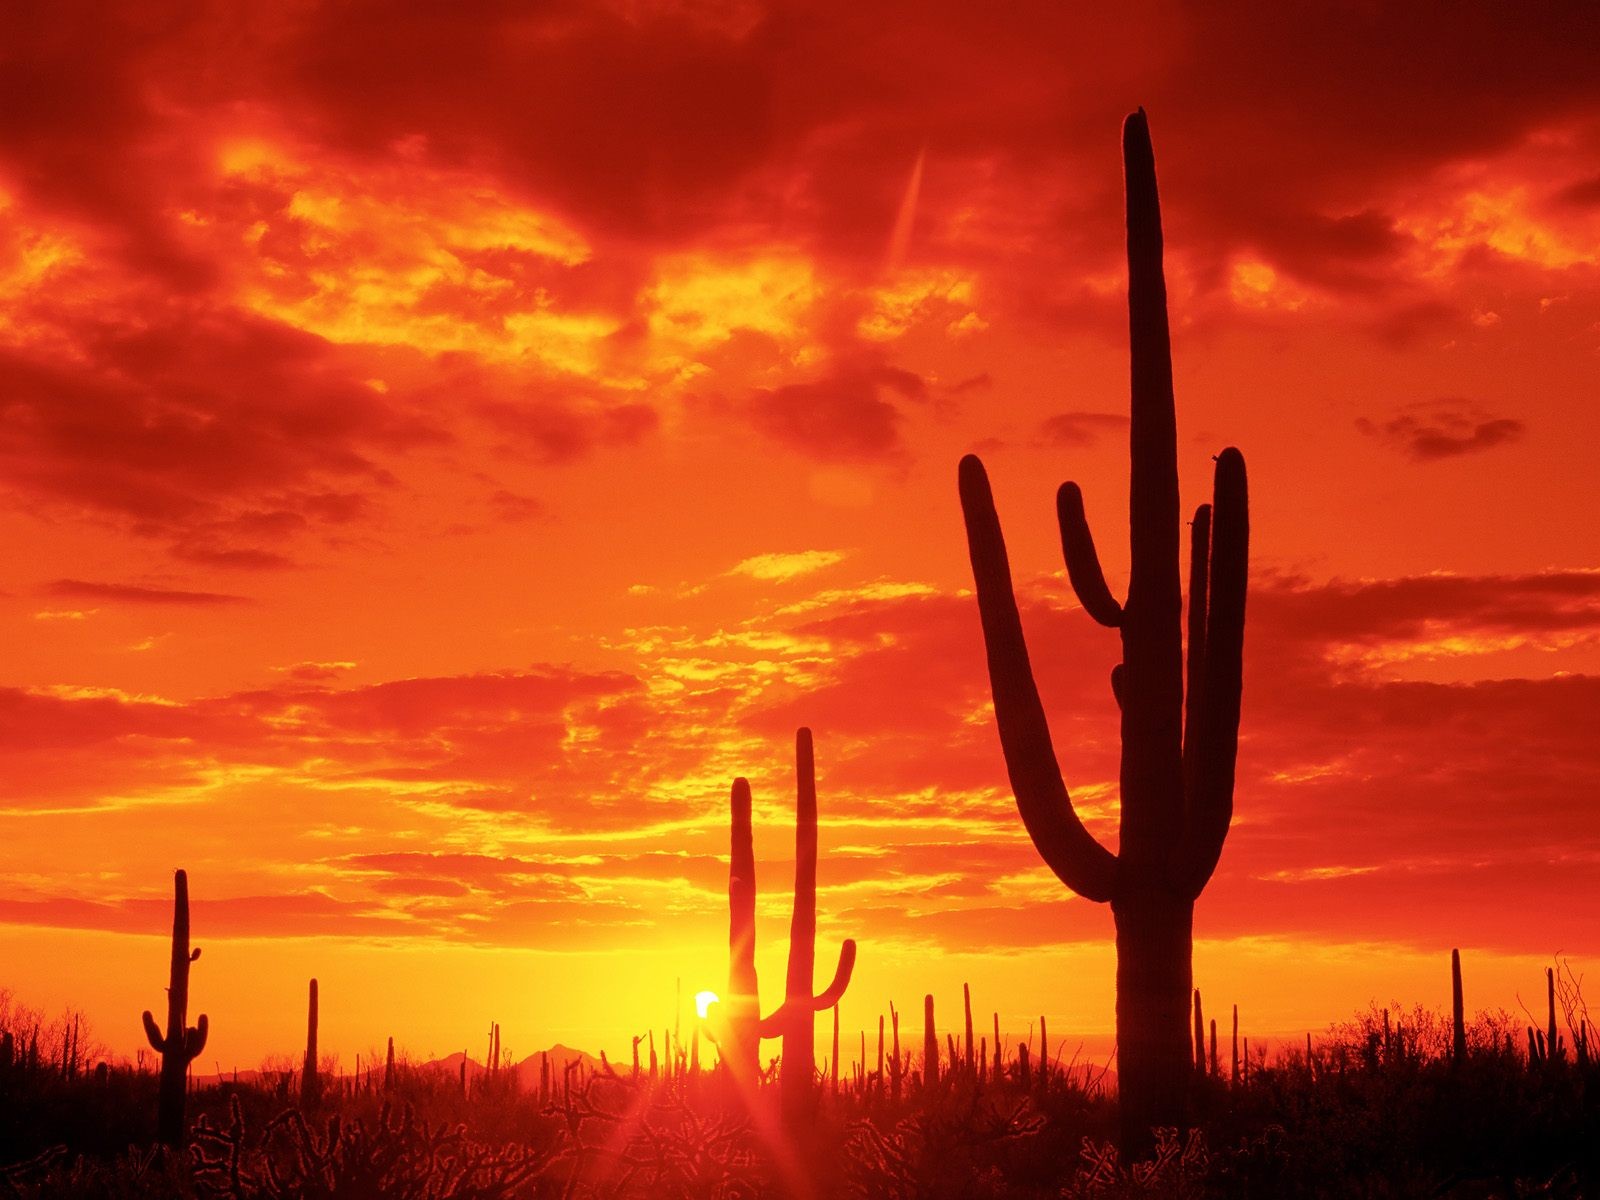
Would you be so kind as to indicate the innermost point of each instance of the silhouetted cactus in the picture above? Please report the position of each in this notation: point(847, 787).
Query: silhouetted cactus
point(1044, 1056)
point(930, 1045)
point(795, 1019)
point(180, 1045)
point(896, 1069)
point(1177, 763)
point(1458, 1024)
point(1199, 1037)
point(740, 1042)
point(1553, 1050)
point(966, 1004)
point(1233, 1076)
point(310, 1080)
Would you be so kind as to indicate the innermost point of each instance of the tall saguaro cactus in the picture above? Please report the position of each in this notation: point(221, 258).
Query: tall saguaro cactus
point(794, 1020)
point(1178, 750)
point(180, 1045)
point(740, 1042)
point(310, 1080)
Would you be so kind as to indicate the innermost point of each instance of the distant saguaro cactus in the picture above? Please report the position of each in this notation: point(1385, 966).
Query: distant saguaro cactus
point(1458, 1022)
point(795, 1019)
point(180, 1045)
point(310, 1081)
point(1177, 761)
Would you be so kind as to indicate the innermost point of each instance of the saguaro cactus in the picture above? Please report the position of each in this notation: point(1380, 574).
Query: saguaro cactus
point(1177, 759)
point(180, 1045)
point(310, 1081)
point(1458, 1012)
point(794, 1020)
point(740, 1042)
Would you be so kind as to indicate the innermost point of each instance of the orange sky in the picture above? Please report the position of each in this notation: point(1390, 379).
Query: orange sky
point(440, 451)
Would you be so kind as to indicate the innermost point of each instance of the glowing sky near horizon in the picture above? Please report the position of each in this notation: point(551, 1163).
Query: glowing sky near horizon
point(442, 447)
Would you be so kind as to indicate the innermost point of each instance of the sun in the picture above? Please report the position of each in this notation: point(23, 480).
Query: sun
point(703, 1002)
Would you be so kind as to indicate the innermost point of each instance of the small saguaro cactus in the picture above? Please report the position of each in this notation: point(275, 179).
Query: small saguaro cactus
point(310, 1081)
point(1178, 745)
point(1458, 1022)
point(966, 1003)
point(180, 1045)
point(795, 1019)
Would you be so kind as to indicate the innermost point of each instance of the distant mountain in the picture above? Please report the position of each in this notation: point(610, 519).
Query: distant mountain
point(527, 1071)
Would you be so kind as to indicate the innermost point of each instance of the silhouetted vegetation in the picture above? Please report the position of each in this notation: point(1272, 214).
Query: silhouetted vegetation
point(1380, 1105)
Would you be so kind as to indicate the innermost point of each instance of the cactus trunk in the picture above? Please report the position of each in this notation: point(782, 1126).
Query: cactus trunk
point(1154, 1052)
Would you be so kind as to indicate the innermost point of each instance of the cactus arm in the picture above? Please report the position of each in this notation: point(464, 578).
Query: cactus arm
point(1083, 563)
point(773, 1026)
point(841, 978)
point(152, 1031)
point(1194, 671)
point(1217, 733)
point(195, 1040)
point(1069, 850)
point(777, 1023)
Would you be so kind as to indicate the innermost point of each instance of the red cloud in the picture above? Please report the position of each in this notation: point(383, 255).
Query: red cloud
point(848, 416)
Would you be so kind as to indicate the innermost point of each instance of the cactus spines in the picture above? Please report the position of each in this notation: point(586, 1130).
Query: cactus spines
point(181, 1044)
point(1458, 1024)
point(310, 1081)
point(1178, 751)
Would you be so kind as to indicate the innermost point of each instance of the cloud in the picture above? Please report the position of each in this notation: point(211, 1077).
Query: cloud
point(852, 415)
point(780, 567)
point(1432, 430)
point(1080, 428)
point(86, 590)
point(1584, 193)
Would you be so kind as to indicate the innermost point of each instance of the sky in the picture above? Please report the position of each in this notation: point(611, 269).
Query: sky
point(442, 446)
